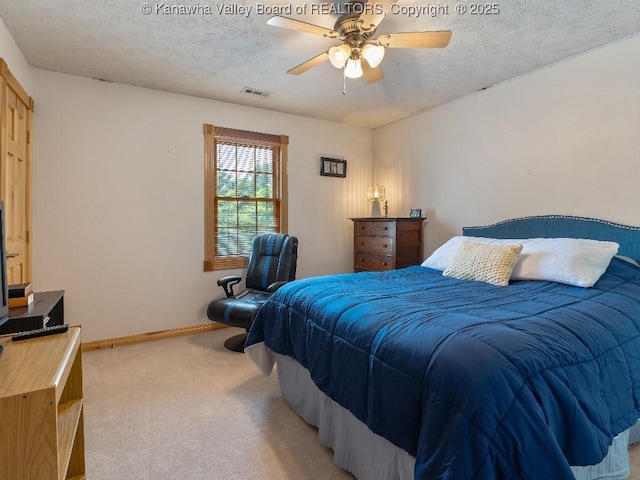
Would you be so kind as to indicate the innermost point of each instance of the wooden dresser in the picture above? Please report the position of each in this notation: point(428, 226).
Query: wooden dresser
point(383, 243)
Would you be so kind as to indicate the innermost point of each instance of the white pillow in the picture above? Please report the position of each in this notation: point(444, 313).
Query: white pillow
point(574, 261)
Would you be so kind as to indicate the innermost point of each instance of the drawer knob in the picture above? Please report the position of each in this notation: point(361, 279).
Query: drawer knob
point(384, 263)
point(361, 243)
point(386, 228)
point(385, 245)
point(362, 259)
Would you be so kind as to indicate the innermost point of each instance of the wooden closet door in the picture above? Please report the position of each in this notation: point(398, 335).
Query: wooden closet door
point(15, 172)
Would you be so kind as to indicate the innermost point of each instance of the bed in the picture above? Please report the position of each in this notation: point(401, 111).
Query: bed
point(415, 374)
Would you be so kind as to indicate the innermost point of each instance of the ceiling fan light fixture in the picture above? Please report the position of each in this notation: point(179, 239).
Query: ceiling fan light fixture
point(338, 56)
point(373, 54)
point(353, 68)
point(354, 29)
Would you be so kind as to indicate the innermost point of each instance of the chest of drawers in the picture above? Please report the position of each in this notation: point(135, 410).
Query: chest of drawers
point(386, 243)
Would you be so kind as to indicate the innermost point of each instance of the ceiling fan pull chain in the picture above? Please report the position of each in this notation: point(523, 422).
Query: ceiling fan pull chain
point(344, 82)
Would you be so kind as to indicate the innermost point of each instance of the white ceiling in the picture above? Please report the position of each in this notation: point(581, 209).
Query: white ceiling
point(216, 55)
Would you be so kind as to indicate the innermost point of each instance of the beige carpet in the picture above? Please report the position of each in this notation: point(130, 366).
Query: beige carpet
point(186, 408)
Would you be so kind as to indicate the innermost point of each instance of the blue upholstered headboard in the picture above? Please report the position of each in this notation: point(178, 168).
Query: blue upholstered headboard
point(563, 226)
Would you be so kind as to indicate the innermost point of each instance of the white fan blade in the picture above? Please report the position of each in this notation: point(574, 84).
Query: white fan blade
point(373, 14)
point(437, 39)
point(371, 75)
point(291, 24)
point(303, 67)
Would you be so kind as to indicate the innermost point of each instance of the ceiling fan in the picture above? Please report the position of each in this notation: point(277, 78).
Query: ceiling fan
point(360, 53)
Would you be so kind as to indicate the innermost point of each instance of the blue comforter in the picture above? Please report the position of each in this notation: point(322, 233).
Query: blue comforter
point(474, 380)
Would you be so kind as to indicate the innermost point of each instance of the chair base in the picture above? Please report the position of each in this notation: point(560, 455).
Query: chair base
point(236, 343)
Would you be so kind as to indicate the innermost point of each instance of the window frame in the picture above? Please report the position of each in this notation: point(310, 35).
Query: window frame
point(212, 135)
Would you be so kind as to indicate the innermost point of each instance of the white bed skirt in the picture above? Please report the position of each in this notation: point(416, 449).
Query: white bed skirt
point(369, 456)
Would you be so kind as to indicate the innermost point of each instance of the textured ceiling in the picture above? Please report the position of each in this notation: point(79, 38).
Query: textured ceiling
point(214, 55)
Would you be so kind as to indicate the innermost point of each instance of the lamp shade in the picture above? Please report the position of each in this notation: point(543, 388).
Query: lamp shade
point(353, 69)
point(376, 193)
point(373, 54)
point(338, 56)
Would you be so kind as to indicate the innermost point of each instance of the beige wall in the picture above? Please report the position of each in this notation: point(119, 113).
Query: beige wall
point(118, 204)
point(564, 139)
point(119, 199)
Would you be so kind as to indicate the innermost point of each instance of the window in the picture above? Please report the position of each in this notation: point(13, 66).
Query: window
point(245, 192)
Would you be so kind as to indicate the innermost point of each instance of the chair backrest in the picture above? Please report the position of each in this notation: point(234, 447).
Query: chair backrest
point(273, 258)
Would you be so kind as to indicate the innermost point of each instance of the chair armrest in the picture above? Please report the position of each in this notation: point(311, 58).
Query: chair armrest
point(227, 284)
point(275, 286)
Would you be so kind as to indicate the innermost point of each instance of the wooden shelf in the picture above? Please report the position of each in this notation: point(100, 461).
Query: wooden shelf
point(68, 420)
point(41, 409)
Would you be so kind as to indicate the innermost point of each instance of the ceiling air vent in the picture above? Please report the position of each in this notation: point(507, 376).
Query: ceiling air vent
point(256, 92)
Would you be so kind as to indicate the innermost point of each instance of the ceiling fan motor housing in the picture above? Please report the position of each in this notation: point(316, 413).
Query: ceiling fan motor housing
point(348, 26)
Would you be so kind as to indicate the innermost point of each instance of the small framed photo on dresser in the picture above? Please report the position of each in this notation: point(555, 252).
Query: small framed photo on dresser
point(333, 167)
point(415, 213)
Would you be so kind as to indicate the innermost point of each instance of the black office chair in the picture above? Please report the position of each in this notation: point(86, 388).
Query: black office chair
point(272, 263)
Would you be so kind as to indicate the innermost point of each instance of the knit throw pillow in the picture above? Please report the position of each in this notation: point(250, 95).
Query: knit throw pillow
point(483, 263)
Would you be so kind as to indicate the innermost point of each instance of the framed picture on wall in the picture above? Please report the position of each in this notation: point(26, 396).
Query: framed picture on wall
point(333, 167)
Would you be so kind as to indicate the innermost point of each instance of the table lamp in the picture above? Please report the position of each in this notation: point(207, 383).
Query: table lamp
point(375, 195)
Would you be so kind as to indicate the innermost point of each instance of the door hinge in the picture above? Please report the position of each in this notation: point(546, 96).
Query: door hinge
point(27, 236)
point(28, 136)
